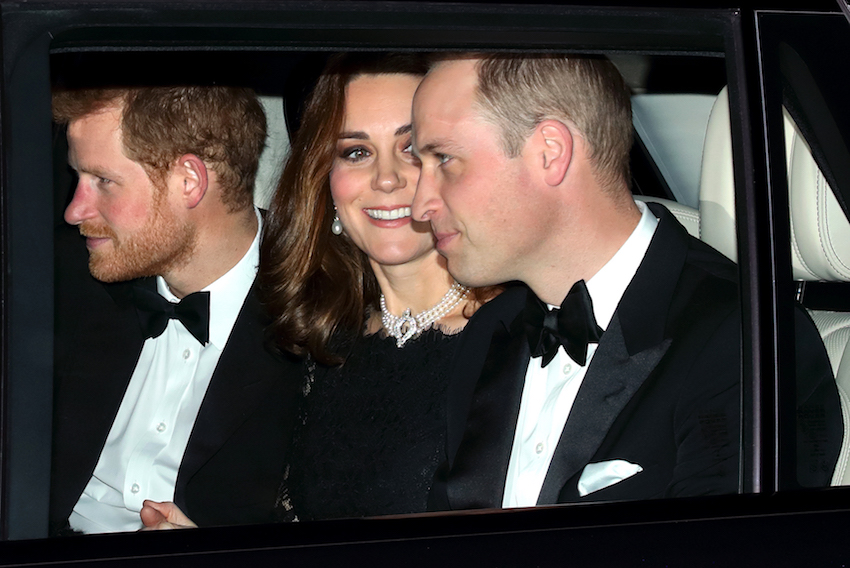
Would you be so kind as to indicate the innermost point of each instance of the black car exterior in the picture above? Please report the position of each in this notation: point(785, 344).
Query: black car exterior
point(771, 521)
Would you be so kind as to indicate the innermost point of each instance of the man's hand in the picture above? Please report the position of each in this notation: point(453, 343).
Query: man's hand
point(164, 516)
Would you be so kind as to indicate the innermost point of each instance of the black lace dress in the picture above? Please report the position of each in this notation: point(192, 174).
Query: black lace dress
point(371, 432)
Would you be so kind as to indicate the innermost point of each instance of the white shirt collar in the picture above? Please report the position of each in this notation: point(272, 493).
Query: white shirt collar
point(228, 293)
point(607, 286)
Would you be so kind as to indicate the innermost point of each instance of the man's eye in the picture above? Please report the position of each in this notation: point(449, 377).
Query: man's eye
point(443, 158)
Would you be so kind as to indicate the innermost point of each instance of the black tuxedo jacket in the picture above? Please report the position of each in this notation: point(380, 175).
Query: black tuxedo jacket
point(233, 463)
point(662, 390)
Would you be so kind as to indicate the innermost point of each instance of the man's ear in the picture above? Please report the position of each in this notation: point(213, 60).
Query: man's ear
point(192, 173)
point(555, 150)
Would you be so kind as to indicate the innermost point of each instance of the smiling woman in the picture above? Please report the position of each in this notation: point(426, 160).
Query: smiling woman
point(375, 306)
point(374, 177)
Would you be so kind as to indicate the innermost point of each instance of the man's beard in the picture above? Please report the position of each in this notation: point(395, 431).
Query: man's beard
point(161, 246)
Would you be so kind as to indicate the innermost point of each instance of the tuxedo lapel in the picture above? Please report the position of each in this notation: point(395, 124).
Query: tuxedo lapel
point(98, 342)
point(612, 379)
point(630, 349)
point(481, 464)
point(234, 389)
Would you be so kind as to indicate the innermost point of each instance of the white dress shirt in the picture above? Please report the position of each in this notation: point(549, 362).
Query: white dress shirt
point(548, 394)
point(145, 446)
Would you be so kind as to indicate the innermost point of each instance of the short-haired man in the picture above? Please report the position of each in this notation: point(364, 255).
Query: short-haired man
point(631, 390)
point(164, 388)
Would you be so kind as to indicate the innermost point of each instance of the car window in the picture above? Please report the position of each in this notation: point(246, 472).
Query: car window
point(674, 98)
point(676, 167)
point(807, 129)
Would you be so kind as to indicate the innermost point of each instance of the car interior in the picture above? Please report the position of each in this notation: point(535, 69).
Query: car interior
point(682, 156)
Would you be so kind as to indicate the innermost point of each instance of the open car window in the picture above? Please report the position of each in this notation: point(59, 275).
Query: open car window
point(679, 64)
point(807, 134)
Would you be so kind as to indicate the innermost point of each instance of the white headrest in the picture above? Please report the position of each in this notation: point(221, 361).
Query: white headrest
point(717, 182)
point(820, 233)
point(277, 147)
point(672, 128)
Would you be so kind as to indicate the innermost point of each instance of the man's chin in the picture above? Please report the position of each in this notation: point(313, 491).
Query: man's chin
point(106, 271)
point(105, 275)
point(461, 275)
point(460, 271)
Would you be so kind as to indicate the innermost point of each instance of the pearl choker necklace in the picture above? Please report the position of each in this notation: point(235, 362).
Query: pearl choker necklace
point(406, 326)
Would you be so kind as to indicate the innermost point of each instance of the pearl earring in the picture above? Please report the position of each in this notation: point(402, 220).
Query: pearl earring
point(336, 226)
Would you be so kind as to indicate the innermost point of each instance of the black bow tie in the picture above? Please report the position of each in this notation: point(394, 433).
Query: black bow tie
point(572, 326)
point(154, 311)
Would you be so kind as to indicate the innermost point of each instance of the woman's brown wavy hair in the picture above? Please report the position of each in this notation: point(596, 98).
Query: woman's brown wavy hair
point(317, 285)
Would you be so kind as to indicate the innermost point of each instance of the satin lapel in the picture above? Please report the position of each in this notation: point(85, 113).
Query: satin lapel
point(471, 356)
point(98, 346)
point(124, 344)
point(645, 306)
point(611, 381)
point(245, 372)
point(108, 348)
point(631, 348)
point(477, 478)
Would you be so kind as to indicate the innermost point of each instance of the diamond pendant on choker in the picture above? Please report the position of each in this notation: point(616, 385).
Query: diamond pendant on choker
point(407, 326)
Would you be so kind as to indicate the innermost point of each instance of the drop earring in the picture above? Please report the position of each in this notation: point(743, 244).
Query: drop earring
point(336, 226)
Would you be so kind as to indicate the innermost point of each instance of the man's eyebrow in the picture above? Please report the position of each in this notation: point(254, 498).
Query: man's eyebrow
point(438, 147)
point(428, 148)
point(95, 170)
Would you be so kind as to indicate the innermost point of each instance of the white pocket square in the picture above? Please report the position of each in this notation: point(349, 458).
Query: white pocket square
point(600, 475)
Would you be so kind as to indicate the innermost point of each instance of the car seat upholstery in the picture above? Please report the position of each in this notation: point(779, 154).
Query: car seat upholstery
point(820, 251)
point(277, 147)
point(714, 220)
point(671, 126)
point(717, 182)
point(820, 236)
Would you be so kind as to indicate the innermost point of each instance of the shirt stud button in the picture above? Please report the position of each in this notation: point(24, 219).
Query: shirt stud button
point(187, 354)
point(160, 427)
point(539, 448)
point(135, 488)
point(567, 369)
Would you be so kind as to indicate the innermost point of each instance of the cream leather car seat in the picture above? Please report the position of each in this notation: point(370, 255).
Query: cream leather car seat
point(820, 235)
point(820, 239)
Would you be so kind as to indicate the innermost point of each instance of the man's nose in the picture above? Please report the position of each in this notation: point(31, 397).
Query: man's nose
point(81, 206)
point(426, 201)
